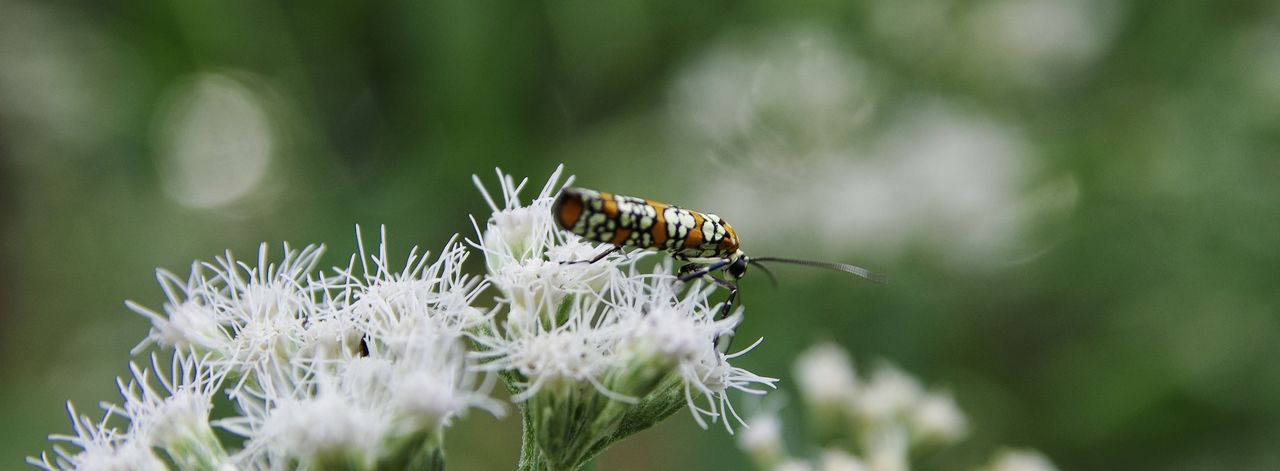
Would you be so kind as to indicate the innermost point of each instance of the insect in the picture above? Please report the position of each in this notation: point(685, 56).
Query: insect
point(705, 241)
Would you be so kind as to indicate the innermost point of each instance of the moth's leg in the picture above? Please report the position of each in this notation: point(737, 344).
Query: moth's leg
point(724, 311)
point(600, 256)
point(693, 271)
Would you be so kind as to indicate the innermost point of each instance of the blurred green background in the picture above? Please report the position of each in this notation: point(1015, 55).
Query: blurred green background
point(1075, 201)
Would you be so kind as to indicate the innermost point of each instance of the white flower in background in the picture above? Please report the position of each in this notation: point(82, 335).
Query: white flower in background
point(792, 114)
point(762, 438)
point(938, 419)
point(1019, 460)
point(1033, 45)
point(889, 393)
point(825, 376)
point(874, 424)
point(101, 448)
point(886, 449)
point(935, 176)
point(1037, 44)
point(834, 459)
point(775, 98)
point(793, 465)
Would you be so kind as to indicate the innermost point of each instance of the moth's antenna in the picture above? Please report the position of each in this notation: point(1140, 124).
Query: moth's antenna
point(766, 270)
point(859, 271)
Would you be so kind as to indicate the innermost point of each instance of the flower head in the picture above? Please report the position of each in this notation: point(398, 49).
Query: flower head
point(174, 416)
point(596, 341)
point(875, 423)
point(938, 419)
point(1019, 460)
point(363, 366)
point(248, 318)
point(825, 376)
point(102, 448)
point(763, 438)
point(378, 371)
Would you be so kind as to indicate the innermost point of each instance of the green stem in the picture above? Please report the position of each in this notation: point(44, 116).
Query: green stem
point(668, 399)
point(531, 458)
point(421, 451)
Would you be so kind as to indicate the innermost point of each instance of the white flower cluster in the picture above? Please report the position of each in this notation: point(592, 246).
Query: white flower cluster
point(888, 404)
point(876, 424)
point(174, 416)
point(1019, 460)
point(605, 342)
point(361, 367)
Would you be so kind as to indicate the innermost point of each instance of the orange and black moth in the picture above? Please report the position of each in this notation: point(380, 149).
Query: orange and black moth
point(626, 221)
point(704, 240)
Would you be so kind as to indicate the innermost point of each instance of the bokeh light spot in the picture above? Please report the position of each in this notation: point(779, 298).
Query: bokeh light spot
point(215, 141)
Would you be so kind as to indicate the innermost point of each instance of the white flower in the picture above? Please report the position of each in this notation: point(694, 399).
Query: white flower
point(101, 449)
point(330, 423)
point(1020, 460)
point(839, 460)
point(762, 438)
point(599, 327)
point(270, 289)
point(516, 232)
point(310, 416)
point(889, 394)
point(1037, 44)
point(793, 465)
point(886, 449)
point(188, 320)
point(249, 318)
point(572, 352)
point(432, 382)
point(438, 292)
point(175, 416)
point(546, 338)
point(825, 376)
point(771, 99)
point(660, 323)
point(713, 376)
point(937, 418)
point(657, 324)
point(379, 361)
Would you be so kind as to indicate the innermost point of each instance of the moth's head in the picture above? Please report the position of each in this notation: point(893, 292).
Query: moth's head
point(738, 267)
